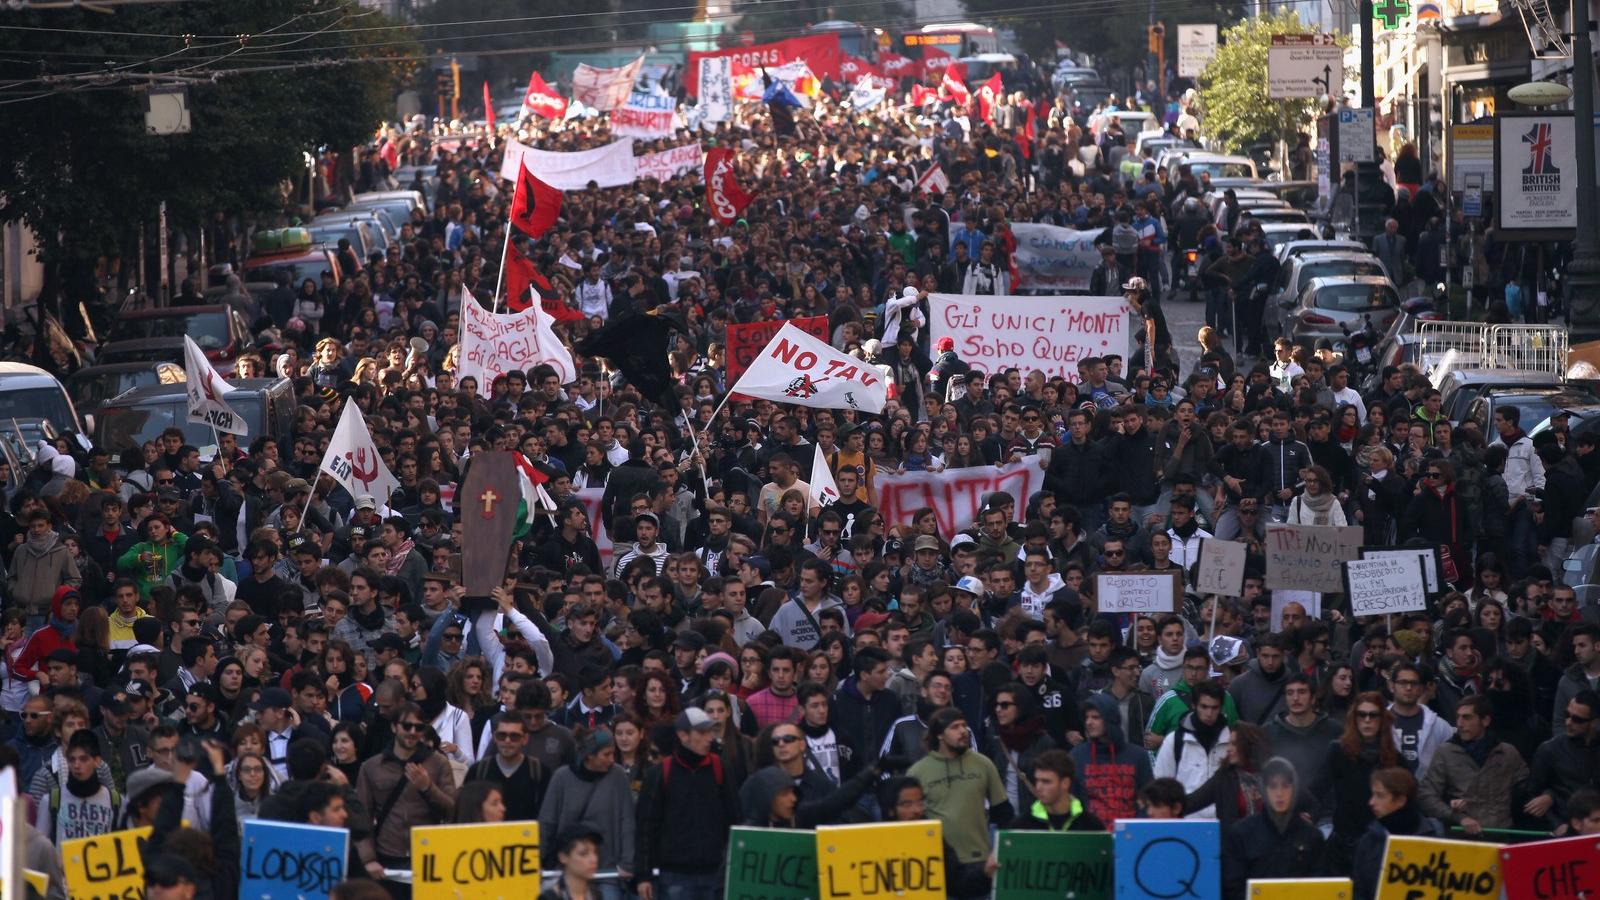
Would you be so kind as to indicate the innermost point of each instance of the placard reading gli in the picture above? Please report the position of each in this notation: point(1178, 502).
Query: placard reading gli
point(106, 865)
point(904, 860)
point(475, 862)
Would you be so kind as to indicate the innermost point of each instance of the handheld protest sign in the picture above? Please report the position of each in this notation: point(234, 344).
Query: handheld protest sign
point(1300, 889)
point(771, 864)
point(1307, 557)
point(285, 861)
point(1432, 562)
point(1221, 567)
point(900, 859)
point(1416, 868)
point(1049, 865)
point(475, 862)
point(1383, 585)
point(1166, 858)
point(1138, 592)
point(1564, 868)
point(106, 865)
point(488, 500)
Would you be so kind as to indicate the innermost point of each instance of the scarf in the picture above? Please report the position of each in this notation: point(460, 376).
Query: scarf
point(398, 558)
point(1320, 506)
point(1187, 530)
point(1479, 749)
point(83, 788)
point(1168, 661)
point(1206, 734)
point(1404, 820)
point(1019, 736)
point(42, 543)
point(812, 731)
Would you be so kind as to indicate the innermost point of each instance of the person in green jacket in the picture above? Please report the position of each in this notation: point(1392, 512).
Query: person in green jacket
point(153, 560)
point(1172, 706)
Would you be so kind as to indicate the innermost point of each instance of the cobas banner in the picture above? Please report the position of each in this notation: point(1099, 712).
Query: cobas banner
point(1050, 334)
point(819, 51)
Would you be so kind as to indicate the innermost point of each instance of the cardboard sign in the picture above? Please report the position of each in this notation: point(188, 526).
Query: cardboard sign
point(293, 862)
point(488, 501)
point(1564, 868)
point(1300, 889)
point(1428, 555)
point(869, 862)
point(746, 341)
point(1166, 858)
point(1221, 567)
point(475, 862)
point(106, 865)
point(771, 864)
point(1384, 585)
point(1049, 865)
point(1308, 556)
point(1138, 592)
point(1417, 868)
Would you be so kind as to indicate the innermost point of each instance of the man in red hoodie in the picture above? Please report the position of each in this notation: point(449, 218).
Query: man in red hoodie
point(55, 635)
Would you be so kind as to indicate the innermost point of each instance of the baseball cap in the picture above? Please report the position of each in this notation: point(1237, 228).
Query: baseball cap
point(139, 690)
point(893, 546)
point(694, 719)
point(295, 486)
point(962, 540)
point(925, 542)
point(1136, 284)
point(944, 344)
point(366, 501)
point(647, 517)
point(870, 620)
point(759, 563)
point(272, 698)
point(969, 584)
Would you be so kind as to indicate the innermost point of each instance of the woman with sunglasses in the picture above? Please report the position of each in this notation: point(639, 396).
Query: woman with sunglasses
point(1366, 746)
point(1318, 504)
point(1439, 516)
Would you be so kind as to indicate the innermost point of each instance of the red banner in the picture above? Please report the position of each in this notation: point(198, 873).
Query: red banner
point(934, 59)
point(894, 65)
point(724, 197)
point(745, 341)
point(1564, 868)
point(819, 51)
point(851, 68)
point(542, 99)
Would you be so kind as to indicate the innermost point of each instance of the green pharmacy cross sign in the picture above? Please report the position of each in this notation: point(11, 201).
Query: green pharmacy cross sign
point(1390, 12)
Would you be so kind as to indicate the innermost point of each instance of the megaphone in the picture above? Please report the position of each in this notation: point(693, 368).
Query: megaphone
point(419, 347)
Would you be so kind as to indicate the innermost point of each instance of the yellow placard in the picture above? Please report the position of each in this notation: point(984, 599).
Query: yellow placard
point(1300, 889)
point(106, 865)
point(39, 881)
point(475, 862)
point(1431, 869)
point(903, 860)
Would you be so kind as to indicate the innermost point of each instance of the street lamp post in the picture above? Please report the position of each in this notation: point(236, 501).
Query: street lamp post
point(1583, 272)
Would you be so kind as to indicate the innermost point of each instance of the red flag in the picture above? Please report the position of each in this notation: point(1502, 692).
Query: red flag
point(894, 65)
point(1026, 138)
point(723, 194)
point(934, 59)
point(542, 99)
point(488, 107)
point(520, 274)
point(952, 88)
point(853, 67)
point(559, 311)
point(988, 93)
point(921, 95)
point(535, 205)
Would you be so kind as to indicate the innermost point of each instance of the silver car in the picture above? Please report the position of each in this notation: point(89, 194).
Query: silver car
point(1294, 275)
point(1343, 300)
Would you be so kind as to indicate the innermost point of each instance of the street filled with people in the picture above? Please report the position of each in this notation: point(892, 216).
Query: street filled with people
point(925, 583)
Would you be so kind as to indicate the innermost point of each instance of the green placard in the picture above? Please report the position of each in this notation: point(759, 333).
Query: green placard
point(1049, 865)
point(771, 864)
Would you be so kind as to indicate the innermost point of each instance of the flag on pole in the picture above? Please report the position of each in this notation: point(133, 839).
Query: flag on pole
point(952, 88)
point(989, 94)
point(542, 100)
point(534, 498)
point(933, 181)
point(797, 368)
point(824, 490)
point(206, 389)
point(488, 107)
point(534, 204)
point(353, 461)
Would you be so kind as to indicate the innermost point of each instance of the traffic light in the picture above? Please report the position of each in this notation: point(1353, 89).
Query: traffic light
point(444, 83)
point(1158, 37)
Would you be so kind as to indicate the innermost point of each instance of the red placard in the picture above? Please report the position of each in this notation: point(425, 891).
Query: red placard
point(1564, 868)
point(745, 341)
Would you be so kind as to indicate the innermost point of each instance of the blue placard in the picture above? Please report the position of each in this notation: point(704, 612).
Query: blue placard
point(282, 861)
point(1168, 860)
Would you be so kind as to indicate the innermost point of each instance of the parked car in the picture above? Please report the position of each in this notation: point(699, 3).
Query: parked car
point(1214, 165)
point(29, 392)
point(1272, 214)
point(141, 414)
point(1346, 300)
point(156, 335)
point(1534, 403)
point(360, 228)
point(91, 386)
point(1294, 275)
point(291, 252)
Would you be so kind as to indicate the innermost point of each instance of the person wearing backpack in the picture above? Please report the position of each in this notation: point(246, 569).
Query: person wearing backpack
point(86, 807)
point(687, 786)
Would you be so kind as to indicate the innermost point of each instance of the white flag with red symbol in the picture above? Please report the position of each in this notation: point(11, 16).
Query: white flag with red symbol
point(933, 180)
point(797, 368)
point(206, 389)
point(824, 490)
point(353, 461)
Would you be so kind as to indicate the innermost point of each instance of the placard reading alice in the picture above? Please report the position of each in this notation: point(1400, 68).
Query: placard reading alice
point(1221, 567)
point(1378, 587)
point(1138, 592)
point(771, 864)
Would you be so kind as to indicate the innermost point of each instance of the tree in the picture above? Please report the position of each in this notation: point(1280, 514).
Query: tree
point(77, 164)
point(1233, 88)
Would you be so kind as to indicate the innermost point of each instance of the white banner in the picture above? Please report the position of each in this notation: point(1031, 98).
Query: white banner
point(1049, 334)
point(716, 88)
point(797, 368)
point(666, 164)
point(353, 461)
point(608, 166)
point(206, 389)
point(955, 495)
point(645, 115)
point(493, 344)
point(1052, 258)
point(866, 94)
point(605, 89)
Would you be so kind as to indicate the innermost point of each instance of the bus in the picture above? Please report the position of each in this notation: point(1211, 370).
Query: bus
point(956, 39)
point(855, 40)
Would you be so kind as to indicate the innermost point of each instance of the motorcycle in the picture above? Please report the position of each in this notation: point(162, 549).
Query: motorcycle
point(1359, 351)
point(1189, 273)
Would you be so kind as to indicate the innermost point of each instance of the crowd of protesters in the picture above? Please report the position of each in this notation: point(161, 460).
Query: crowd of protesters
point(188, 640)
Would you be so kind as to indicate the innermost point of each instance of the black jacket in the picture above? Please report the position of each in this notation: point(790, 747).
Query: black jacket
point(864, 723)
point(632, 477)
point(1074, 474)
point(1255, 847)
point(1133, 459)
point(684, 788)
